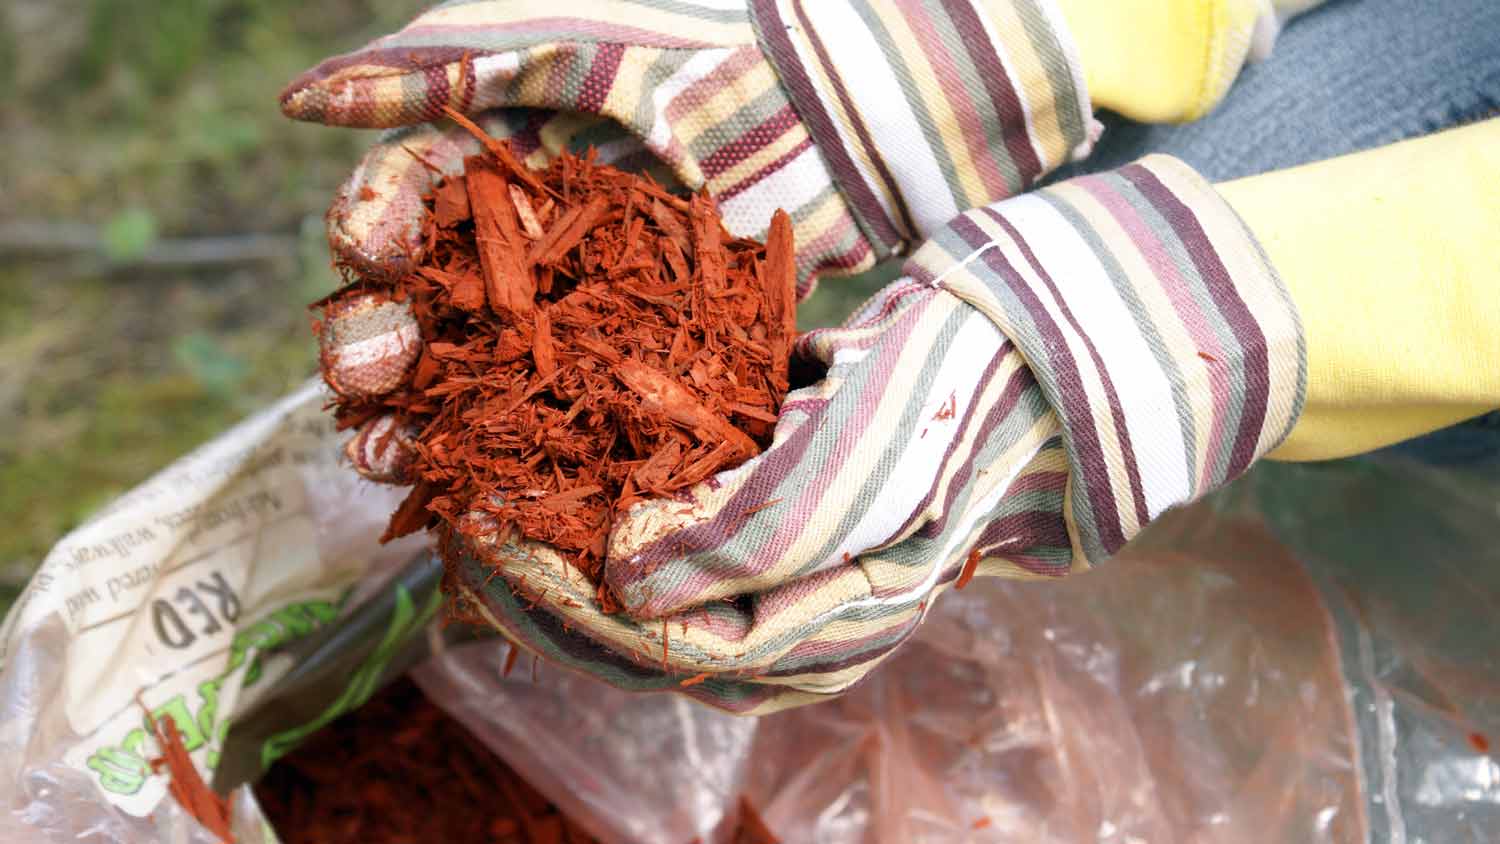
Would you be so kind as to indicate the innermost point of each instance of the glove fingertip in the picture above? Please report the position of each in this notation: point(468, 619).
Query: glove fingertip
point(325, 94)
point(373, 88)
point(382, 451)
point(375, 220)
point(340, 91)
point(297, 101)
point(367, 344)
point(371, 250)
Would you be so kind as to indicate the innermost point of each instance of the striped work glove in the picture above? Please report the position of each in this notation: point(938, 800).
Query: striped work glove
point(872, 122)
point(1053, 372)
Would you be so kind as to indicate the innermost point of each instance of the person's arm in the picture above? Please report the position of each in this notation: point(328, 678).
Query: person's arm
point(1390, 257)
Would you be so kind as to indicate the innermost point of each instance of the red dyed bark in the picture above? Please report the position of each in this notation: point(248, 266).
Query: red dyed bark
point(186, 786)
point(588, 339)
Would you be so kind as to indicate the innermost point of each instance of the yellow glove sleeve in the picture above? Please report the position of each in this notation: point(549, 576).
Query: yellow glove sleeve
point(1391, 256)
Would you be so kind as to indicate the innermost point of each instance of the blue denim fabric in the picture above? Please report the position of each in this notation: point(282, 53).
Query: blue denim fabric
point(1347, 76)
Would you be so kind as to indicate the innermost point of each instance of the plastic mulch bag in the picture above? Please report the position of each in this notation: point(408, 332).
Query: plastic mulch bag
point(1189, 689)
point(1304, 657)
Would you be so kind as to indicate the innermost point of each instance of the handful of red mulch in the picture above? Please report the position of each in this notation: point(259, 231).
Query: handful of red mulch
point(578, 338)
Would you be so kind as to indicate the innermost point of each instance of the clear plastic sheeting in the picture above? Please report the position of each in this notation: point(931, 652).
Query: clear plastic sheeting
point(1190, 694)
point(1305, 657)
point(628, 767)
point(1408, 564)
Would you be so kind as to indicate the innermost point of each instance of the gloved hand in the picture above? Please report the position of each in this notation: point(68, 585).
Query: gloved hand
point(752, 589)
point(1053, 372)
point(872, 122)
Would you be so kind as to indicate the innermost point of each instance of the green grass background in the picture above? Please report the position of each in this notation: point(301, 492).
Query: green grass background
point(142, 123)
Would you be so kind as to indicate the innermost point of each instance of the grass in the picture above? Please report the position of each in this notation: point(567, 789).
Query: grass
point(145, 125)
point(164, 124)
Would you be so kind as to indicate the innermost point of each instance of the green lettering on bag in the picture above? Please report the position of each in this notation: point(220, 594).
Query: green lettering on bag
point(406, 620)
point(124, 768)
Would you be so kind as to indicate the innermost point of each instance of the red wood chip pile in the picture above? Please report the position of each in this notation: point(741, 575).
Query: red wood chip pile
point(398, 769)
point(586, 339)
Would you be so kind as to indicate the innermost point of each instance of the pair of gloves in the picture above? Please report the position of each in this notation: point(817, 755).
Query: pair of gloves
point(1053, 370)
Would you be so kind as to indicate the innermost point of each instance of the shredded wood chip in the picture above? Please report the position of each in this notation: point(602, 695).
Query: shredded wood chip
point(588, 339)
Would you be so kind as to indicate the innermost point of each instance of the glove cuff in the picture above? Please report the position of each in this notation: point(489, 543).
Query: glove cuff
point(923, 109)
point(1155, 325)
